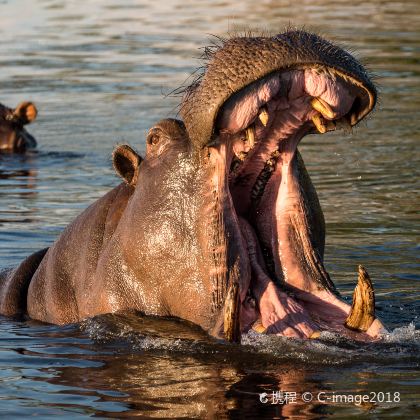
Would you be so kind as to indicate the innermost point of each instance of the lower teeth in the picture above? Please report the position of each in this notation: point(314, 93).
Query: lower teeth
point(263, 178)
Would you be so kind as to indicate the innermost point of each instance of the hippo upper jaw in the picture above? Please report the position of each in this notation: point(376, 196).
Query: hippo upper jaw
point(240, 62)
point(268, 195)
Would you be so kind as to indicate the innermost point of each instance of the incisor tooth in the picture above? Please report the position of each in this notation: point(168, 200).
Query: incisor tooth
point(319, 123)
point(263, 116)
point(362, 312)
point(258, 327)
point(250, 135)
point(315, 334)
point(321, 106)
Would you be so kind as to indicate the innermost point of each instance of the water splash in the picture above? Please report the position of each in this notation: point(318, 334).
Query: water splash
point(402, 345)
point(407, 334)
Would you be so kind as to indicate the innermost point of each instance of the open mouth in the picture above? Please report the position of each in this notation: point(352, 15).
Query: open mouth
point(290, 293)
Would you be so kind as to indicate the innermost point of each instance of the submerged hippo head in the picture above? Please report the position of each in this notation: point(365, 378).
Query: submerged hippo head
point(219, 224)
point(13, 136)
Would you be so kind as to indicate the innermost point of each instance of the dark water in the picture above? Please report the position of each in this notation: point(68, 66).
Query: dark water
point(98, 72)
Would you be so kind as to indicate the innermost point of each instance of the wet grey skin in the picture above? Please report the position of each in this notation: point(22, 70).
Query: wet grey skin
point(219, 224)
point(13, 136)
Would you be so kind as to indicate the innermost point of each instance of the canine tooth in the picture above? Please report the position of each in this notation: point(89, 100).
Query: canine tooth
point(263, 116)
point(250, 136)
point(315, 334)
point(321, 106)
point(319, 123)
point(231, 324)
point(362, 312)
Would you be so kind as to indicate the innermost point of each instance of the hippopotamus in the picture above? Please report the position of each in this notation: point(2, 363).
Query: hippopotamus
point(13, 136)
point(219, 223)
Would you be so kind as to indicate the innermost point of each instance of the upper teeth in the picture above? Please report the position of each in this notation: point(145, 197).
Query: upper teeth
point(320, 123)
point(263, 116)
point(321, 106)
point(250, 136)
point(324, 121)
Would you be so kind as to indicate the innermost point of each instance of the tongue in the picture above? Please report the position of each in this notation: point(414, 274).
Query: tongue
point(299, 259)
point(289, 230)
point(279, 313)
point(300, 264)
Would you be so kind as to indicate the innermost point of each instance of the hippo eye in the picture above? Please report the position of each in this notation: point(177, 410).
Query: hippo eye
point(154, 137)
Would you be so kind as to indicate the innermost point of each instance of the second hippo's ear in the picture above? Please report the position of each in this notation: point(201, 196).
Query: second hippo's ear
point(126, 163)
point(26, 112)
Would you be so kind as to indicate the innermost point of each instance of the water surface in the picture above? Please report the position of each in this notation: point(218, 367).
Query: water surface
point(99, 72)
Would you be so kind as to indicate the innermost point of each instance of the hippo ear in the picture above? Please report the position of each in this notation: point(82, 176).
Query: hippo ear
point(26, 112)
point(126, 163)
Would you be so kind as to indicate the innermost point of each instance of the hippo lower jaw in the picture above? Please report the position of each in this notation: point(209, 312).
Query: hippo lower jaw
point(277, 208)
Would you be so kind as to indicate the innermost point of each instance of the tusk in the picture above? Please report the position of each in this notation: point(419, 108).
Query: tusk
point(259, 327)
point(362, 312)
point(231, 324)
point(315, 334)
point(319, 123)
point(321, 106)
point(250, 136)
point(263, 116)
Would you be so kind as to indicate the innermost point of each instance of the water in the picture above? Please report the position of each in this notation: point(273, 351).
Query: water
point(98, 72)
